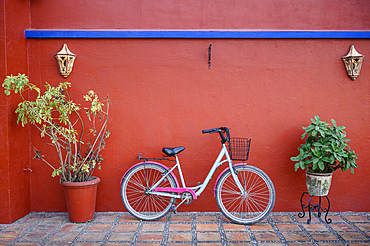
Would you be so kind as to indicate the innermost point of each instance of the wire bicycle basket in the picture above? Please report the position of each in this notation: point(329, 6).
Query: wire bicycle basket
point(239, 148)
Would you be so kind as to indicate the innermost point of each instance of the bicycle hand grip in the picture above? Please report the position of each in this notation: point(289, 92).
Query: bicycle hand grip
point(221, 131)
point(210, 130)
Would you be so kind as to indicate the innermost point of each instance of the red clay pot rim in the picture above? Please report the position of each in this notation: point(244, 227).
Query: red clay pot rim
point(93, 181)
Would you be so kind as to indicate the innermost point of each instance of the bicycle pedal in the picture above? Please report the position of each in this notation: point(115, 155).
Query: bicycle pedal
point(174, 209)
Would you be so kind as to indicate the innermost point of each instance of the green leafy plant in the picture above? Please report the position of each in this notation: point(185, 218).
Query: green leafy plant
point(325, 149)
point(57, 118)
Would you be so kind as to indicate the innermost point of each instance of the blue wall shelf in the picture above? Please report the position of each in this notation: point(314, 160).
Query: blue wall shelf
point(196, 34)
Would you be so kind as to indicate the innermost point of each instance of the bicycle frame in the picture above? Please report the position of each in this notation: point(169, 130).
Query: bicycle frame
point(197, 190)
point(244, 194)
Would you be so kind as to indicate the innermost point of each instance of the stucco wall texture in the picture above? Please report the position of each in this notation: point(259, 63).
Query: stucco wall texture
point(163, 93)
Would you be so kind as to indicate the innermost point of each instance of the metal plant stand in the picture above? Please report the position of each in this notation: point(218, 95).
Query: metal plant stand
point(314, 208)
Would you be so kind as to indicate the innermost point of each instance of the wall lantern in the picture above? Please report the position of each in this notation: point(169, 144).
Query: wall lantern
point(353, 62)
point(65, 59)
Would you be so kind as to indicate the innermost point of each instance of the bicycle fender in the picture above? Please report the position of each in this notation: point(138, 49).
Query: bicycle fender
point(219, 176)
point(177, 183)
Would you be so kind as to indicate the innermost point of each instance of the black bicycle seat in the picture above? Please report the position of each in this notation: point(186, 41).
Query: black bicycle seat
point(172, 151)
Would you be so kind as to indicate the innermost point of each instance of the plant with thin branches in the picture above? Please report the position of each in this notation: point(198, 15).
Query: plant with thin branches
point(58, 118)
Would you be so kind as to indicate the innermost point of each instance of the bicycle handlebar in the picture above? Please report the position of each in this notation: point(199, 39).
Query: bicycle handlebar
point(221, 131)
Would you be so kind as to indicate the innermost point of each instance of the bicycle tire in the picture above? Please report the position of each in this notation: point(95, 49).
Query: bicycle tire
point(257, 202)
point(139, 204)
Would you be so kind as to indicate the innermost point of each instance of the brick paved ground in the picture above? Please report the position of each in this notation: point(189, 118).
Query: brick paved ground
point(182, 229)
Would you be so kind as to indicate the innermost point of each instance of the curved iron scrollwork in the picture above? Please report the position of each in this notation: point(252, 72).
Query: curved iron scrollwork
point(314, 208)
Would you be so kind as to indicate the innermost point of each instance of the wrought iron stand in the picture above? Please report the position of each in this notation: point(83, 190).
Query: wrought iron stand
point(313, 208)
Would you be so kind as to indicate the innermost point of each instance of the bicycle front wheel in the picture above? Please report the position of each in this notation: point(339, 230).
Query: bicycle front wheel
point(135, 198)
point(251, 206)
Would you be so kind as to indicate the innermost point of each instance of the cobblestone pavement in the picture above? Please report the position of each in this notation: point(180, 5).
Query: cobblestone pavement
point(118, 228)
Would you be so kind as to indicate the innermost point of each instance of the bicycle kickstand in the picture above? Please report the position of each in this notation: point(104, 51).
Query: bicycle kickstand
point(174, 208)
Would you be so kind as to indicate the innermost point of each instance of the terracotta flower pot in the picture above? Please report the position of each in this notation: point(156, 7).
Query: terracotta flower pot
point(81, 199)
point(318, 184)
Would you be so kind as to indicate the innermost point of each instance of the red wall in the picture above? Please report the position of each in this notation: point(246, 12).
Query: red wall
point(205, 14)
point(164, 94)
point(14, 149)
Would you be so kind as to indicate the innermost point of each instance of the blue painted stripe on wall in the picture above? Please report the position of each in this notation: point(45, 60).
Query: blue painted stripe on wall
point(196, 34)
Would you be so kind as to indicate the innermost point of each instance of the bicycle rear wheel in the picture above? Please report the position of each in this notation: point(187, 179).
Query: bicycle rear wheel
point(137, 201)
point(257, 201)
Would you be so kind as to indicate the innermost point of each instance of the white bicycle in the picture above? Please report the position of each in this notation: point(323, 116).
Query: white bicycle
point(244, 193)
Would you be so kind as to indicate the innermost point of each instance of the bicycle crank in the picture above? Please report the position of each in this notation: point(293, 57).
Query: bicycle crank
point(186, 198)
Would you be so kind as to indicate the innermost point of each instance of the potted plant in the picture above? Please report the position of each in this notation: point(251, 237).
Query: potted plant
point(58, 119)
point(325, 150)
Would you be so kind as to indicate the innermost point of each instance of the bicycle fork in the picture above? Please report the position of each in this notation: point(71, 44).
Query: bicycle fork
point(234, 175)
